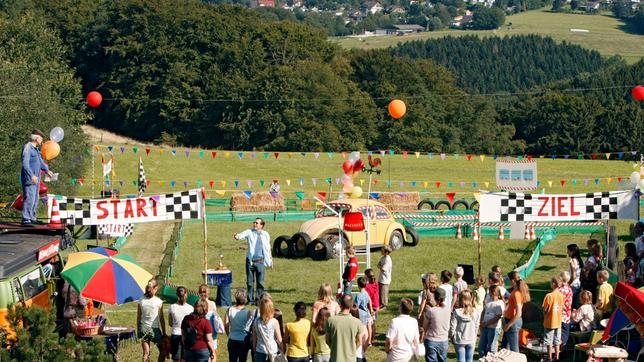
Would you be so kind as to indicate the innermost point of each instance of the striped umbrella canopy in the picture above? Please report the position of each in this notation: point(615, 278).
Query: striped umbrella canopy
point(105, 275)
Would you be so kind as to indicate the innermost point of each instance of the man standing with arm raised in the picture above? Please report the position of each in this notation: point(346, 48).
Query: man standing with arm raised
point(32, 164)
point(257, 259)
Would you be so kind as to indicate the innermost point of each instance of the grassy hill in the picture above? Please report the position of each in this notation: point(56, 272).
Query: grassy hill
point(605, 33)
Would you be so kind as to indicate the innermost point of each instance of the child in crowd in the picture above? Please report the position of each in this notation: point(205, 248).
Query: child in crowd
point(446, 276)
point(365, 309)
point(320, 349)
point(566, 291)
point(491, 321)
point(479, 294)
point(374, 296)
point(585, 315)
point(459, 286)
point(350, 270)
point(385, 265)
point(296, 336)
point(552, 311)
point(495, 279)
point(427, 295)
point(463, 327)
point(604, 295)
point(631, 263)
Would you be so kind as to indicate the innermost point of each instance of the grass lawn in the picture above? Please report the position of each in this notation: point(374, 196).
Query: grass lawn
point(606, 33)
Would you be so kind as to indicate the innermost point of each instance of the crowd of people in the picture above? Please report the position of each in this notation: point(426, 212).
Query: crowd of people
point(342, 326)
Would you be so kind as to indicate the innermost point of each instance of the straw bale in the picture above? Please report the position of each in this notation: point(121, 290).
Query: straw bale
point(398, 201)
point(259, 201)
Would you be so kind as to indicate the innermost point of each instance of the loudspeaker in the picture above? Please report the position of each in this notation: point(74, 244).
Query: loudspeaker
point(468, 273)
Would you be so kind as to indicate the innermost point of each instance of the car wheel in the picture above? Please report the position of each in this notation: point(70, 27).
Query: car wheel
point(281, 247)
point(442, 203)
point(462, 203)
point(412, 237)
point(425, 205)
point(396, 240)
point(474, 206)
point(298, 244)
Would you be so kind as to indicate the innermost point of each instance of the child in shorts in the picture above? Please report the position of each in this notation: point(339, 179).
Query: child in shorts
point(552, 314)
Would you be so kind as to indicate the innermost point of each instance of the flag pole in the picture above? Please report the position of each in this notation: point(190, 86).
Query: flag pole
point(205, 236)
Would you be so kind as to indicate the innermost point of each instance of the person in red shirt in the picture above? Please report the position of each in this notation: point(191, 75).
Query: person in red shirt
point(350, 271)
point(197, 334)
point(374, 294)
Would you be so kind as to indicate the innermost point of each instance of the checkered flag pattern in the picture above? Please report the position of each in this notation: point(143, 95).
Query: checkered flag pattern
point(126, 230)
point(184, 205)
point(602, 205)
point(143, 182)
point(74, 211)
point(513, 208)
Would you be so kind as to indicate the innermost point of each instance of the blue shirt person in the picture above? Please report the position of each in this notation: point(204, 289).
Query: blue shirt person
point(258, 257)
point(32, 164)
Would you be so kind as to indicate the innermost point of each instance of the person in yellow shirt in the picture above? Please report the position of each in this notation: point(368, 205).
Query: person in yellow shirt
point(297, 335)
point(604, 295)
point(552, 312)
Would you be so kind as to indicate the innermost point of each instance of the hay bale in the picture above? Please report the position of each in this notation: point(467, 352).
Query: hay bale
point(259, 201)
point(400, 201)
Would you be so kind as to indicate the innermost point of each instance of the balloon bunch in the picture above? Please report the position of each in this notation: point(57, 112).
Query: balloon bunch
point(351, 167)
point(51, 149)
point(637, 180)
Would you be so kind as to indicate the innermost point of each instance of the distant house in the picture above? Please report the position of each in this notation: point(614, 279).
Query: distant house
point(372, 7)
point(262, 3)
point(395, 9)
point(461, 20)
point(356, 15)
point(591, 6)
point(402, 29)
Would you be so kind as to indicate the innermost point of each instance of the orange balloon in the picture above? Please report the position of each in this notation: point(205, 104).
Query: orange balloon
point(397, 108)
point(50, 150)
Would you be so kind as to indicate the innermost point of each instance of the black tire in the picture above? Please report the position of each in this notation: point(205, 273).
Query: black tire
point(396, 240)
point(613, 249)
point(320, 249)
point(423, 205)
point(412, 237)
point(298, 244)
point(474, 205)
point(460, 203)
point(442, 203)
point(282, 247)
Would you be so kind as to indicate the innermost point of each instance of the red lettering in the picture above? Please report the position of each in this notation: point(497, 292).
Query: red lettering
point(140, 208)
point(560, 206)
point(543, 206)
point(553, 205)
point(154, 206)
point(100, 206)
point(572, 208)
point(129, 212)
point(115, 202)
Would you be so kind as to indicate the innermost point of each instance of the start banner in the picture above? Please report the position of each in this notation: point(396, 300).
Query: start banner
point(175, 206)
point(508, 206)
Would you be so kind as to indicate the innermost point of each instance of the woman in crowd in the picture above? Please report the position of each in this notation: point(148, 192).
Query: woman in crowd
point(631, 264)
point(211, 315)
point(235, 322)
point(325, 300)
point(427, 300)
point(267, 334)
point(401, 343)
point(491, 321)
point(320, 349)
point(436, 327)
point(463, 327)
point(149, 320)
point(574, 268)
point(297, 335)
point(197, 334)
point(588, 277)
point(512, 321)
point(176, 313)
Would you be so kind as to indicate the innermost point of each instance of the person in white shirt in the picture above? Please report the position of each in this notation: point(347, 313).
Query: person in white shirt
point(176, 313)
point(459, 286)
point(401, 343)
point(585, 315)
point(149, 319)
point(384, 279)
point(258, 257)
point(494, 279)
point(446, 276)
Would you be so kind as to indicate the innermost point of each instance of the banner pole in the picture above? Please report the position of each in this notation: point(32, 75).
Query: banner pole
point(205, 236)
point(479, 244)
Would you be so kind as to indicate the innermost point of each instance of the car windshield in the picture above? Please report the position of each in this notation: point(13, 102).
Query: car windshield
point(339, 208)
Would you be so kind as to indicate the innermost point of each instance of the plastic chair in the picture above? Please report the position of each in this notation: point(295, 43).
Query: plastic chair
point(595, 337)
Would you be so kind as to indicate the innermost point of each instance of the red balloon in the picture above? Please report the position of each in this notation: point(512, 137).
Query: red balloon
point(94, 99)
point(347, 166)
point(638, 93)
point(43, 189)
point(357, 167)
point(397, 108)
point(18, 202)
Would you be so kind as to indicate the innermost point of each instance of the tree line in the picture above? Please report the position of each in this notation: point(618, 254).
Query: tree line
point(221, 76)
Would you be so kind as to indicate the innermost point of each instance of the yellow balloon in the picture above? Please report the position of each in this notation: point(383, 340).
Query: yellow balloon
point(356, 192)
point(50, 150)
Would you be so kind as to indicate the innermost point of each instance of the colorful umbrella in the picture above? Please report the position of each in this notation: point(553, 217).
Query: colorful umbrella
point(106, 276)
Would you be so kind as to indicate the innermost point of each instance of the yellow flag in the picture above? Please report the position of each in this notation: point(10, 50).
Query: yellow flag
point(549, 183)
point(609, 179)
point(482, 158)
point(425, 184)
point(288, 182)
point(487, 184)
point(417, 154)
point(160, 183)
point(361, 182)
point(161, 150)
point(290, 154)
point(608, 156)
point(220, 192)
point(227, 154)
point(97, 148)
point(223, 183)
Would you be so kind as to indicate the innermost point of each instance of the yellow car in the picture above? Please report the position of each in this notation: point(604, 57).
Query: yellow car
point(318, 238)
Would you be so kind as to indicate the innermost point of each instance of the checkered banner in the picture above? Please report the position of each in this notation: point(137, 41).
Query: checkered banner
point(116, 229)
point(176, 206)
point(508, 206)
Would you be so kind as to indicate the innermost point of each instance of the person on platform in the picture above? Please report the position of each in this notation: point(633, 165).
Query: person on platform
point(258, 257)
point(32, 164)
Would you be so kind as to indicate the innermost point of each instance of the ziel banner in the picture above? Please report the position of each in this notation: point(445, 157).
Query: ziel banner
point(508, 206)
point(175, 206)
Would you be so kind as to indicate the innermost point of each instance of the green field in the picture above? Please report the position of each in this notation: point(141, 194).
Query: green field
point(606, 33)
point(292, 280)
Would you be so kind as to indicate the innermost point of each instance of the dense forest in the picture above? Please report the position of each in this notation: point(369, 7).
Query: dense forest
point(221, 76)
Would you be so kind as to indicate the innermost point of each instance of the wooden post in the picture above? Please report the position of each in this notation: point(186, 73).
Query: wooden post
point(205, 236)
point(479, 244)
